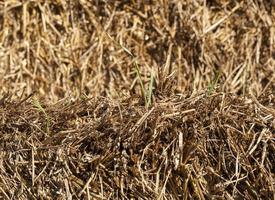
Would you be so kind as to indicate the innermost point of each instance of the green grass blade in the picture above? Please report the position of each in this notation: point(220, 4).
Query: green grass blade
point(141, 82)
point(38, 106)
point(150, 90)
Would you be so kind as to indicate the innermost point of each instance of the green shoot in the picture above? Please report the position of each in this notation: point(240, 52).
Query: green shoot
point(150, 90)
point(141, 82)
point(38, 106)
point(147, 95)
point(211, 86)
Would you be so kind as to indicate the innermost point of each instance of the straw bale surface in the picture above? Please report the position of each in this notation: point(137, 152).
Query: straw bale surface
point(200, 147)
point(137, 99)
point(62, 48)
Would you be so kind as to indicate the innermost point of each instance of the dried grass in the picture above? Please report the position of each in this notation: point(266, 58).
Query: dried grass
point(62, 48)
point(218, 146)
point(149, 100)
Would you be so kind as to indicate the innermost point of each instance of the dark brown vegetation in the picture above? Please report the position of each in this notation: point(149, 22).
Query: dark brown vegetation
point(137, 99)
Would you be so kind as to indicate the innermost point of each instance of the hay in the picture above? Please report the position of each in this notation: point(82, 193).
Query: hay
point(62, 48)
point(132, 99)
point(218, 146)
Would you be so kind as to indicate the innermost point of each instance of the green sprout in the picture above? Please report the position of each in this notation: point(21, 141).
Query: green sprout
point(38, 106)
point(213, 83)
point(147, 94)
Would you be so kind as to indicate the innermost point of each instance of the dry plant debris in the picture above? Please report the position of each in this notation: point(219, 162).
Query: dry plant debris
point(61, 48)
point(204, 147)
point(137, 99)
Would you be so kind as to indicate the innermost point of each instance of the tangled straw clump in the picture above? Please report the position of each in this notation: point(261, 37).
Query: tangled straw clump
point(137, 99)
point(62, 48)
point(217, 146)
